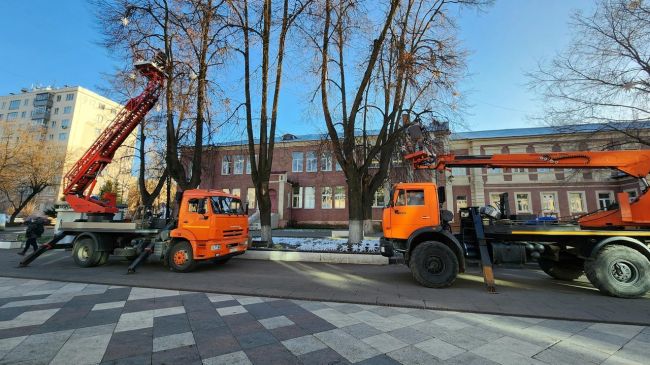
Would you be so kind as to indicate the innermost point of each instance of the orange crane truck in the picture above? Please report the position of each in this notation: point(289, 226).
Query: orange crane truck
point(611, 246)
point(211, 225)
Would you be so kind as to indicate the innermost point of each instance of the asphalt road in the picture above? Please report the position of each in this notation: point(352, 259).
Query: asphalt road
point(522, 292)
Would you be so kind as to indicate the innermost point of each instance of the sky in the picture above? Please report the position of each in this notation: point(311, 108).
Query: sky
point(46, 42)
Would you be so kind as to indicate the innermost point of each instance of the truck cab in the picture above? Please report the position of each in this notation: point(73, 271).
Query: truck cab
point(415, 226)
point(211, 225)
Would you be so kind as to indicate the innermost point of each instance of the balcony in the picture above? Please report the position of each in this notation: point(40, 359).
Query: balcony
point(44, 100)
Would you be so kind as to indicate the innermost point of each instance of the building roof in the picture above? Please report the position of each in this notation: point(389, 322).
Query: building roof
point(494, 133)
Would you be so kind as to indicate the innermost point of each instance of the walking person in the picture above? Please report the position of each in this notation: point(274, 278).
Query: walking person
point(34, 231)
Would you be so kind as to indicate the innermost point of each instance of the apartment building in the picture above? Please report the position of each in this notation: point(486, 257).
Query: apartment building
point(308, 187)
point(70, 118)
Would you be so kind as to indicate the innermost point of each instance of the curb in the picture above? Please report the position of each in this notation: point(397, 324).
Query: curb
point(332, 258)
point(7, 245)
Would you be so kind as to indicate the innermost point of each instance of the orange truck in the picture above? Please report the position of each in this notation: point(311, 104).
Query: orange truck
point(211, 225)
point(610, 246)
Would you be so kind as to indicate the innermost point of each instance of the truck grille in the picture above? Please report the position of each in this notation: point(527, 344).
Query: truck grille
point(233, 232)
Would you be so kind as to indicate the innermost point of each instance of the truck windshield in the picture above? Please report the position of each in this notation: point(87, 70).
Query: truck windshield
point(226, 205)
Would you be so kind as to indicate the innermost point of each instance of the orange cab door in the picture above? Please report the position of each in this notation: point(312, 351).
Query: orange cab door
point(197, 218)
point(410, 212)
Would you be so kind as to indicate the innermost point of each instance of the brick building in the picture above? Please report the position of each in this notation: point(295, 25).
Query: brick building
point(308, 187)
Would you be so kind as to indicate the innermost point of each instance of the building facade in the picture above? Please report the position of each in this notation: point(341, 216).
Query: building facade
point(70, 118)
point(308, 188)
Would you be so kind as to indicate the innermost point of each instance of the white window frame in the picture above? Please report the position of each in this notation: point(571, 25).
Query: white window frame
point(309, 201)
point(583, 195)
point(226, 165)
point(69, 97)
point(612, 197)
point(326, 161)
point(376, 202)
point(296, 198)
point(297, 161)
point(326, 196)
point(311, 161)
point(337, 166)
point(248, 165)
point(238, 164)
point(459, 171)
point(556, 202)
point(339, 197)
point(236, 192)
point(490, 194)
point(250, 197)
point(530, 202)
point(67, 110)
point(519, 170)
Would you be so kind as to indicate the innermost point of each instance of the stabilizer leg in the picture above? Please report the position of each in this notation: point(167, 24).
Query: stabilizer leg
point(486, 262)
point(49, 245)
point(148, 250)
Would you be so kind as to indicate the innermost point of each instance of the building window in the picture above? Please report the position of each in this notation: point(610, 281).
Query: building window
point(248, 166)
point(12, 116)
point(519, 170)
point(239, 165)
point(67, 110)
point(25, 102)
point(53, 124)
point(50, 137)
point(56, 110)
point(339, 197)
point(632, 194)
point(458, 171)
point(23, 114)
point(338, 166)
point(604, 199)
point(1, 115)
point(495, 199)
point(69, 97)
point(326, 162)
point(495, 170)
point(62, 136)
point(380, 198)
point(227, 191)
point(577, 202)
point(310, 197)
point(250, 197)
point(461, 202)
point(38, 110)
point(296, 197)
point(297, 161)
point(543, 169)
point(236, 192)
point(326, 198)
point(226, 165)
point(14, 104)
point(65, 123)
point(312, 162)
point(523, 202)
point(58, 98)
point(549, 202)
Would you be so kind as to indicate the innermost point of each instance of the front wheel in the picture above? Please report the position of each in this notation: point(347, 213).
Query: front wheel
point(566, 270)
point(85, 252)
point(433, 264)
point(619, 271)
point(181, 257)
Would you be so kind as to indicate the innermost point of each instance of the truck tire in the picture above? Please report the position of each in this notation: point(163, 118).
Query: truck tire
point(85, 252)
point(619, 271)
point(433, 264)
point(103, 259)
point(566, 270)
point(181, 257)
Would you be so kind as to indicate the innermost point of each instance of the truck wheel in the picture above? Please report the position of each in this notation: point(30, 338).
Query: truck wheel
point(181, 257)
point(103, 258)
point(85, 252)
point(434, 264)
point(567, 270)
point(619, 271)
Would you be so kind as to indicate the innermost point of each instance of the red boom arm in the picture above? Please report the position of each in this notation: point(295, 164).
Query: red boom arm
point(82, 177)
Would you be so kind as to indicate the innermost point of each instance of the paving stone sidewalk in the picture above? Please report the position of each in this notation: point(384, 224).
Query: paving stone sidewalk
point(49, 322)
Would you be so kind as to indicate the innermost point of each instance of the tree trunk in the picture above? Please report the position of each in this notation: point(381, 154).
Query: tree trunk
point(355, 211)
point(264, 207)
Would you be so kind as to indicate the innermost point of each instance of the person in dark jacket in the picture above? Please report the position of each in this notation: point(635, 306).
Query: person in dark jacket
point(34, 230)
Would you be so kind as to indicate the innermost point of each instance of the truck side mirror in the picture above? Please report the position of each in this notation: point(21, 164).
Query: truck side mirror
point(442, 194)
point(246, 209)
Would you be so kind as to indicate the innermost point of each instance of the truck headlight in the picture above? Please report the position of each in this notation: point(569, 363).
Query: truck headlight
point(215, 247)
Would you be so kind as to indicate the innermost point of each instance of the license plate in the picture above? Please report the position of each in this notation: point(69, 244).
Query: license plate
point(234, 249)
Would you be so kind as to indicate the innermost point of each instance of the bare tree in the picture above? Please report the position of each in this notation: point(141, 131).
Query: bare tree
point(256, 24)
point(411, 67)
point(603, 76)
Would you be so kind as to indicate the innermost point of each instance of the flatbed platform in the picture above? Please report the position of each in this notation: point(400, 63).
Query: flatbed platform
point(106, 227)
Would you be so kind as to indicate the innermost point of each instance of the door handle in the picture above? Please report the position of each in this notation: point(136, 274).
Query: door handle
point(398, 212)
point(425, 217)
point(185, 221)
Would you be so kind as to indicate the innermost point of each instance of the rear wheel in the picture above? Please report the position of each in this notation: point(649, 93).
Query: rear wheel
point(103, 258)
point(619, 271)
point(85, 252)
point(566, 269)
point(181, 257)
point(433, 264)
